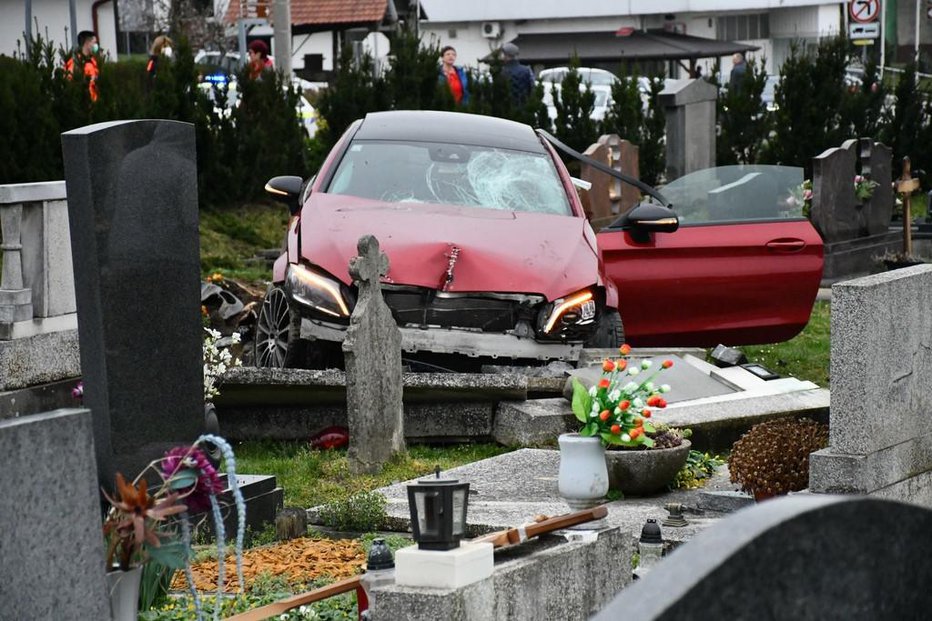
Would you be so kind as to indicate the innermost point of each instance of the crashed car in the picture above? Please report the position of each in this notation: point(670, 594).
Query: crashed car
point(491, 255)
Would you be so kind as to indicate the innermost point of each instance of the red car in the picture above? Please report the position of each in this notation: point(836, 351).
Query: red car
point(491, 255)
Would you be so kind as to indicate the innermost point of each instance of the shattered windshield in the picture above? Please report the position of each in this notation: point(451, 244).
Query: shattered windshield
point(449, 174)
point(737, 193)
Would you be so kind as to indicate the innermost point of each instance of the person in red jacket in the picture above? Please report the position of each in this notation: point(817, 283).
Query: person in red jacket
point(259, 59)
point(86, 58)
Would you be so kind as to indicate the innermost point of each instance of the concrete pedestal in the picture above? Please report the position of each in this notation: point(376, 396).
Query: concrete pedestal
point(448, 569)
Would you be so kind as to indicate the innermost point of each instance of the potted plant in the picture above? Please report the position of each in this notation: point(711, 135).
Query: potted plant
point(147, 529)
point(773, 457)
point(616, 414)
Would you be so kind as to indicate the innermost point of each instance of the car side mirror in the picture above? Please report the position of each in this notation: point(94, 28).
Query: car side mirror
point(286, 189)
point(645, 219)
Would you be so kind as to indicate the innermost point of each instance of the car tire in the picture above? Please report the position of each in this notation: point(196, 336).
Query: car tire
point(278, 329)
point(609, 332)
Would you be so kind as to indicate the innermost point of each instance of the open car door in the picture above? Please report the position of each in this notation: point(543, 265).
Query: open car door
point(743, 268)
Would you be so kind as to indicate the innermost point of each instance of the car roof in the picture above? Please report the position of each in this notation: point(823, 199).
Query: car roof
point(449, 127)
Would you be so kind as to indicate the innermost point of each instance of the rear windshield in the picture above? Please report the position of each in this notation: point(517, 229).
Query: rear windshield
point(448, 174)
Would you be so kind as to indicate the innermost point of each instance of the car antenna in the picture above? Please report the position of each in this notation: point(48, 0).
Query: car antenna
point(608, 170)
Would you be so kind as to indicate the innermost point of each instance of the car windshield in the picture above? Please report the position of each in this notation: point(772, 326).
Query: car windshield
point(450, 174)
point(737, 193)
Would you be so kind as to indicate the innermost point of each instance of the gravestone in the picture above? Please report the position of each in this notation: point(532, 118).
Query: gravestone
point(797, 557)
point(624, 195)
point(881, 365)
point(372, 351)
point(689, 106)
point(132, 207)
point(595, 201)
point(610, 197)
point(51, 543)
point(855, 232)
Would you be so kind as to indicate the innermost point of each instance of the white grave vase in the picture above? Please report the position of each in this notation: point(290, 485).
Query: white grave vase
point(583, 480)
point(124, 593)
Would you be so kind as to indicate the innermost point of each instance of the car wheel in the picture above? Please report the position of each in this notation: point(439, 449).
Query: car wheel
point(278, 328)
point(609, 332)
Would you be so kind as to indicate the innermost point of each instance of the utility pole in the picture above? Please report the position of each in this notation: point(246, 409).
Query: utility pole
point(281, 14)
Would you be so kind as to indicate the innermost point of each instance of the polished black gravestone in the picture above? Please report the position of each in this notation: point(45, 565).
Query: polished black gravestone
point(798, 557)
point(132, 207)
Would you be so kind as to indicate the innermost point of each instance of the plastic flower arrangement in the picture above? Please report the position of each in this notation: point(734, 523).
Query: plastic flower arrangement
point(619, 407)
point(864, 187)
point(153, 524)
point(801, 197)
point(216, 362)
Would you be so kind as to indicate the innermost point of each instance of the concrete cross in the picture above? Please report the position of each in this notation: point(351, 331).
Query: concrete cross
point(370, 265)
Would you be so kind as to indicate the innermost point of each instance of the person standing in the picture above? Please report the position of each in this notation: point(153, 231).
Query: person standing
point(454, 77)
point(85, 57)
point(520, 77)
point(739, 71)
point(161, 46)
point(259, 60)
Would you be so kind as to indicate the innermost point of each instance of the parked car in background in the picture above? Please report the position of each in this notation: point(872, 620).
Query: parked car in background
point(768, 95)
point(491, 256)
point(587, 75)
point(603, 99)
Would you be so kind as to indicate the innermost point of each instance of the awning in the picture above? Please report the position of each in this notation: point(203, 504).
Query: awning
point(611, 47)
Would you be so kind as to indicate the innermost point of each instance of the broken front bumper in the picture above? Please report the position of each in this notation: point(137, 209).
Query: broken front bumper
point(452, 341)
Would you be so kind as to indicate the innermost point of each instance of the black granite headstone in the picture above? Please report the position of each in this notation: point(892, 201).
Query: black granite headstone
point(834, 211)
point(799, 557)
point(132, 206)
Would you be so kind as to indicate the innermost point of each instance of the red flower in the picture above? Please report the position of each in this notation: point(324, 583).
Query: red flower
point(666, 364)
point(625, 349)
point(616, 429)
point(645, 413)
point(653, 400)
point(638, 421)
point(604, 415)
point(608, 366)
point(621, 365)
point(636, 432)
point(661, 402)
point(624, 405)
point(604, 383)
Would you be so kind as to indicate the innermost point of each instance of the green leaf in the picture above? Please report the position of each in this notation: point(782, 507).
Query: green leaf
point(610, 438)
point(646, 441)
point(170, 554)
point(183, 479)
point(648, 427)
point(590, 429)
point(582, 402)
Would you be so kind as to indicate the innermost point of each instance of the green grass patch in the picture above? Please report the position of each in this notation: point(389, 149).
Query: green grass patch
point(231, 237)
point(312, 477)
point(806, 356)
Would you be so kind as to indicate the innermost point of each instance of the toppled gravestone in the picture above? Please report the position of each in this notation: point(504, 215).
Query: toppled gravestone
point(372, 353)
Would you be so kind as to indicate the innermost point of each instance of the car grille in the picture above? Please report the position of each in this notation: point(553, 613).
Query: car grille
point(472, 312)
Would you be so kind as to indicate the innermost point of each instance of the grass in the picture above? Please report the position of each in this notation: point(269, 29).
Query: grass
point(804, 357)
point(230, 237)
point(312, 477)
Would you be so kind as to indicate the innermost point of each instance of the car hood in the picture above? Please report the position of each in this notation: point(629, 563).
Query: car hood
point(495, 251)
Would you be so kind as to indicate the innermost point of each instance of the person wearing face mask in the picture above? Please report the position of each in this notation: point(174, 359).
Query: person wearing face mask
point(85, 57)
point(161, 46)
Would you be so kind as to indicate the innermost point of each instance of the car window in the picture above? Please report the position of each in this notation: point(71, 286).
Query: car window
point(414, 172)
point(737, 194)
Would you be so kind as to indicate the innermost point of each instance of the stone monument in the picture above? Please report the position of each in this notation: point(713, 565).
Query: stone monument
point(132, 207)
point(609, 197)
point(372, 351)
point(689, 106)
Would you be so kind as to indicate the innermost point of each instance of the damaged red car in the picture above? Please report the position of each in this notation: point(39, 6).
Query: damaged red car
point(491, 255)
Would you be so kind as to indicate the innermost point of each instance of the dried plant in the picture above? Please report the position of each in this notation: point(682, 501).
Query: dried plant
point(773, 457)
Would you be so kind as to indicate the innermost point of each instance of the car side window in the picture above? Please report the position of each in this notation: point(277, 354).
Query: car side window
point(735, 194)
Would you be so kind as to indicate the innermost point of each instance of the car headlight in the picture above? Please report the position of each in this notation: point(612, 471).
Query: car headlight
point(575, 309)
point(316, 290)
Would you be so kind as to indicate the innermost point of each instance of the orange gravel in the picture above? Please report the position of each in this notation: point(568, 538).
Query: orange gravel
point(299, 561)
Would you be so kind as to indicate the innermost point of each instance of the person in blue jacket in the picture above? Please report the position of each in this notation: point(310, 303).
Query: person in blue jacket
point(454, 77)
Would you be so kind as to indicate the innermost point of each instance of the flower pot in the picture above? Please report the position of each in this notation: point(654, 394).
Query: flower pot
point(637, 472)
point(583, 480)
point(124, 593)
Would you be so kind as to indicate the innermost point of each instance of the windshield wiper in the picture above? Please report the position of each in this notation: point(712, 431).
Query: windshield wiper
point(608, 170)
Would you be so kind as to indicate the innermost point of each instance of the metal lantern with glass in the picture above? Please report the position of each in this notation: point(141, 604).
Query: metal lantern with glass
point(438, 512)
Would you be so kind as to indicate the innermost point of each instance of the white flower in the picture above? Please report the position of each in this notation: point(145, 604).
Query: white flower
point(592, 391)
point(646, 364)
point(633, 371)
point(630, 386)
point(665, 388)
point(649, 386)
point(625, 437)
point(614, 395)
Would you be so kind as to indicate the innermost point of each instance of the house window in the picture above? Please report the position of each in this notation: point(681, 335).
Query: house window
point(743, 27)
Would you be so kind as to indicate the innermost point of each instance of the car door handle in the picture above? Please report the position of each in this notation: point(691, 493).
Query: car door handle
point(786, 244)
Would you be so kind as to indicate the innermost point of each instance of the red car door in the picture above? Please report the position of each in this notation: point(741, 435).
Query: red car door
point(736, 272)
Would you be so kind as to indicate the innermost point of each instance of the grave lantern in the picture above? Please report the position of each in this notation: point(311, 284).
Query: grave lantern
point(650, 548)
point(438, 512)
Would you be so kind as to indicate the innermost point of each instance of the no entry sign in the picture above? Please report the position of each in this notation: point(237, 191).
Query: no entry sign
point(864, 11)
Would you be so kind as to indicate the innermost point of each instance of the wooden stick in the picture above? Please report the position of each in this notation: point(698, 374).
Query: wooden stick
point(540, 527)
point(282, 606)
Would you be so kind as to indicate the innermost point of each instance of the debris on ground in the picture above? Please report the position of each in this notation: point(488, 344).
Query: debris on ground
point(299, 561)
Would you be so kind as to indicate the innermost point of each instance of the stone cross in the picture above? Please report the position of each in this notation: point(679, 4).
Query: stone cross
point(372, 351)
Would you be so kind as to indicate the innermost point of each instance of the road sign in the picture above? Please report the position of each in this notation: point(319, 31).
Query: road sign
point(864, 11)
point(864, 31)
